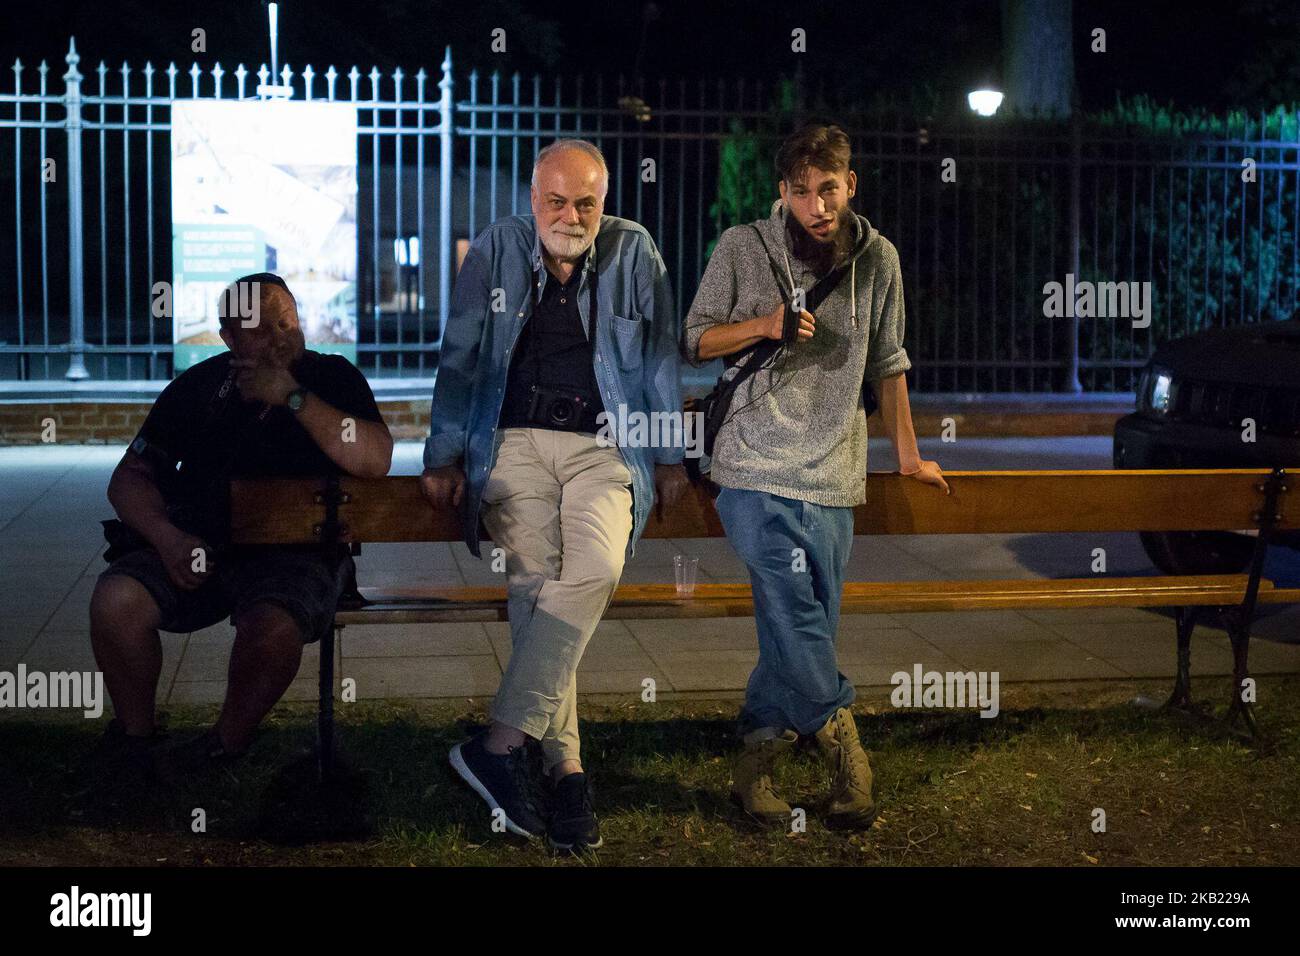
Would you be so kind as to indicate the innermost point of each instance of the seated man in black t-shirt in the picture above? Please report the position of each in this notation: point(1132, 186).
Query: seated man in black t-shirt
point(268, 407)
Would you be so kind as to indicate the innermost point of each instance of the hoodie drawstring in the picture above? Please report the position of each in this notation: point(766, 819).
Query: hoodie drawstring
point(853, 289)
point(788, 274)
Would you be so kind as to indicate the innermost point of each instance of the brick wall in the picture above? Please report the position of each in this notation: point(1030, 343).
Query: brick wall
point(99, 423)
point(92, 423)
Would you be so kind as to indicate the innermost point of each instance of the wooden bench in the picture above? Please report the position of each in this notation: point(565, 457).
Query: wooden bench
point(298, 511)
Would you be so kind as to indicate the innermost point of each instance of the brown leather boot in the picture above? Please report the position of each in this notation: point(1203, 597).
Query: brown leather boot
point(851, 804)
point(752, 787)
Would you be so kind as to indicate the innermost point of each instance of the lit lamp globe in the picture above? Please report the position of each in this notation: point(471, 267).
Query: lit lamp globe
point(984, 102)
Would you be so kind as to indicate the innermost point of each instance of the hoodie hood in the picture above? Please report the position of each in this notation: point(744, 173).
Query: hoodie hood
point(777, 243)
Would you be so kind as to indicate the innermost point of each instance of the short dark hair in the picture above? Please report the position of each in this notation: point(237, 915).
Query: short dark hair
point(241, 290)
point(822, 145)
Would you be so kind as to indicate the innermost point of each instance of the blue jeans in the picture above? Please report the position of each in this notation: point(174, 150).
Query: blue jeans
point(797, 684)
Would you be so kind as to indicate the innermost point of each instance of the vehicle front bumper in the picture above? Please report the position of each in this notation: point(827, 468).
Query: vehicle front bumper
point(1143, 442)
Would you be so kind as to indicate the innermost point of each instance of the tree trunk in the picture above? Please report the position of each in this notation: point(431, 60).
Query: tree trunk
point(1038, 57)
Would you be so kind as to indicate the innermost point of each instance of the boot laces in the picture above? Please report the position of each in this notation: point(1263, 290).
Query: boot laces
point(849, 756)
point(766, 766)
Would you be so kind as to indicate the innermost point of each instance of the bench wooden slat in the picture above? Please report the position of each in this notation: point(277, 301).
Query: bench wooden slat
point(284, 511)
point(420, 604)
point(1014, 502)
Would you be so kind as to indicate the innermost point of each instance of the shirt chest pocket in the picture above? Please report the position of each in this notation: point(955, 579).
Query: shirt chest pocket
point(628, 334)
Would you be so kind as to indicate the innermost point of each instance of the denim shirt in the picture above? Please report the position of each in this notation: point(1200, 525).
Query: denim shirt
point(636, 355)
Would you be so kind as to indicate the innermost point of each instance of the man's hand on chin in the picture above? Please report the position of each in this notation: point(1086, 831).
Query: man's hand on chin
point(269, 384)
point(931, 474)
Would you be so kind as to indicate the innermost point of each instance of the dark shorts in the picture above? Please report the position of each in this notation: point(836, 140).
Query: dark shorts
point(303, 582)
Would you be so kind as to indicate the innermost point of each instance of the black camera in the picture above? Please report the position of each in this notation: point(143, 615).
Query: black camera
point(560, 408)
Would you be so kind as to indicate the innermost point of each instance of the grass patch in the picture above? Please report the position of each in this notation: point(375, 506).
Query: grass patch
point(954, 789)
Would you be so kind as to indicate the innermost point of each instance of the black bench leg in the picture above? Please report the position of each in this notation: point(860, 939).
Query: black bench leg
point(1239, 634)
point(1184, 621)
point(1240, 618)
point(325, 715)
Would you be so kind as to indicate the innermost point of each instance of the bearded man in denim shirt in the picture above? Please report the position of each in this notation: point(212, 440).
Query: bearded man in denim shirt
point(561, 325)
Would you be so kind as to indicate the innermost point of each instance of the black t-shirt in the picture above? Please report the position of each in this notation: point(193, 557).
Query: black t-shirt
point(201, 433)
point(553, 351)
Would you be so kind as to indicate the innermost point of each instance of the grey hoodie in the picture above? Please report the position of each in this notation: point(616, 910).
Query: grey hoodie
point(798, 429)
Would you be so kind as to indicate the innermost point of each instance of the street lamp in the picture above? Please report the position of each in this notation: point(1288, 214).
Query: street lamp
point(984, 102)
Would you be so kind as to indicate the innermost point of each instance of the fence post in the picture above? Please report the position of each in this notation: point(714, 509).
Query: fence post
point(76, 299)
point(446, 254)
point(1072, 383)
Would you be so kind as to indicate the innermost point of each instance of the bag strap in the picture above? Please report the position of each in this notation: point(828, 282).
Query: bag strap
point(762, 351)
point(821, 289)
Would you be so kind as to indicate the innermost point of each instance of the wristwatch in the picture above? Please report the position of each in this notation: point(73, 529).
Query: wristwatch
point(296, 399)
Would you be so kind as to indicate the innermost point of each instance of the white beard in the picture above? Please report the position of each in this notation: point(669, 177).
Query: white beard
point(564, 247)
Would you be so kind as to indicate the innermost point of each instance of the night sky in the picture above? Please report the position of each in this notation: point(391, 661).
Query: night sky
point(1204, 54)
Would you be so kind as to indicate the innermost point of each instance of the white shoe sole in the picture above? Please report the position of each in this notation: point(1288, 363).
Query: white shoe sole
point(569, 847)
point(462, 768)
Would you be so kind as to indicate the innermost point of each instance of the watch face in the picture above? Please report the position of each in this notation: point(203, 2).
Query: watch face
point(296, 398)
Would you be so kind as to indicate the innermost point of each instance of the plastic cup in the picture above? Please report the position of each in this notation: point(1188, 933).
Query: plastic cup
point(685, 568)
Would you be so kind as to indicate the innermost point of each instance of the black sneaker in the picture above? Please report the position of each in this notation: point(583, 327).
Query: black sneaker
point(194, 756)
point(118, 779)
point(504, 781)
point(118, 757)
point(573, 825)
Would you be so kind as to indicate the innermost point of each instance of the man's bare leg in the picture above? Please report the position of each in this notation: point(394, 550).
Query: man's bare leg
point(501, 739)
point(124, 621)
point(263, 663)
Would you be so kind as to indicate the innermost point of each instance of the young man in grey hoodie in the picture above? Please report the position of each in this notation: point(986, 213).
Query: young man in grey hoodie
point(791, 456)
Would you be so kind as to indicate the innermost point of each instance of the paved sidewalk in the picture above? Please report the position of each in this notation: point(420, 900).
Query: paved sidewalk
point(52, 499)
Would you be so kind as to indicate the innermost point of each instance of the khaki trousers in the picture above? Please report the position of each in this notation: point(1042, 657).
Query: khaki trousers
point(560, 506)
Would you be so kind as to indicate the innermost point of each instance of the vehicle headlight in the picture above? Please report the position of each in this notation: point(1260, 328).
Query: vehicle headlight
point(1156, 390)
point(1158, 395)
